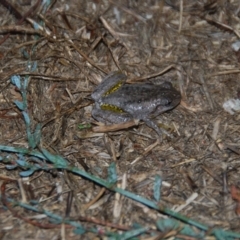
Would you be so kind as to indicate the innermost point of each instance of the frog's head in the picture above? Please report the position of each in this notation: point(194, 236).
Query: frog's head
point(170, 98)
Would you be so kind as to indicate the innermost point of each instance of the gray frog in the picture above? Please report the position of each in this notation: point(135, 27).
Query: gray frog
point(117, 102)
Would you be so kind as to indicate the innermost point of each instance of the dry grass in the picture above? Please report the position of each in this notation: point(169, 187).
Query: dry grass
point(82, 41)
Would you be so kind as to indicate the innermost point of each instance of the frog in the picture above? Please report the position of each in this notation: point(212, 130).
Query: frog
point(119, 102)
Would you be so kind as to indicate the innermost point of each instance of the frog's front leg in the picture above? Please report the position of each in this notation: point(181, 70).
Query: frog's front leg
point(109, 117)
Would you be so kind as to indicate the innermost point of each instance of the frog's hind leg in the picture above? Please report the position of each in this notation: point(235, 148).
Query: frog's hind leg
point(111, 83)
point(154, 126)
point(109, 117)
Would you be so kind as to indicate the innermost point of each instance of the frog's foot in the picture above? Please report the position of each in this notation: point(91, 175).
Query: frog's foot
point(109, 117)
point(154, 126)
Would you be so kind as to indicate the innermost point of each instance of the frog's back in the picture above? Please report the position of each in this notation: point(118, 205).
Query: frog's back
point(141, 100)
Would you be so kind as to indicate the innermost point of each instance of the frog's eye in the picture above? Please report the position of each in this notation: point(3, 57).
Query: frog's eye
point(167, 102)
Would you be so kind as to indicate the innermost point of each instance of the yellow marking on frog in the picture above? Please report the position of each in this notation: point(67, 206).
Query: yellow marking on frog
point(114, 88)
point(112, 108)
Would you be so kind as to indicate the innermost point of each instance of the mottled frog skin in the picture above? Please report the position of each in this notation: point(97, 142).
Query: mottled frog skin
point(117, 102)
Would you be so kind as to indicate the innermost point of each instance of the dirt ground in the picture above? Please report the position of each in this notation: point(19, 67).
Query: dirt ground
point(66, 48)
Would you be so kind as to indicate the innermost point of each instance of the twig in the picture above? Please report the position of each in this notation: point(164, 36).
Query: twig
point(115, 34)
point(209, 98)
point(224, 26)
point(18, 14)
point(146, 151)
point(150, 75)
point(99, 195)
point(112, 54)
point(137, 16)
point(115, 127)
point(180, 16)
point(14, 28)
point(83, 54)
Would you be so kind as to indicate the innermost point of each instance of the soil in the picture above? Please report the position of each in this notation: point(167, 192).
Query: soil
point(65, 49)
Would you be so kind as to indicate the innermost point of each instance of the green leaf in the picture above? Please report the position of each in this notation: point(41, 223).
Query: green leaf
point(84, 126)
point(31, 140)
point(132, 233)
point(167, 224)
point(26, 118)
point(34, 66)
point(20, 105)
point(79, 231)
point(27, 173)
point(157, 188)
point(25, 53)
point(25, 83)
point(58, 161)
point(37, 135)
point(16, 81)
point(11, 167)
point(112, 174)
